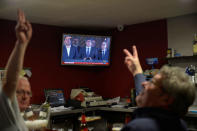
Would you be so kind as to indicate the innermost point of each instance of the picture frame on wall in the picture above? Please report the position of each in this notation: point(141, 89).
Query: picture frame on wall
point(24, 72)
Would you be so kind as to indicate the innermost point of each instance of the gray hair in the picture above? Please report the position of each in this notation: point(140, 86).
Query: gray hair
point(178, 85)
point(23, 77)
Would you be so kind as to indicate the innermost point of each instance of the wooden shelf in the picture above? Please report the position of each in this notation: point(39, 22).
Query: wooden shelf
point(182, 58)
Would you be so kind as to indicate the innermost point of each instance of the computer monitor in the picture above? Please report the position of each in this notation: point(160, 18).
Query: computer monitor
point(55, 97)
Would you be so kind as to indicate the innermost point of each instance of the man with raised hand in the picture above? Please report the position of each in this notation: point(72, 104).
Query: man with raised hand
point(163, 101)
point(133, 64)
point(10, 118)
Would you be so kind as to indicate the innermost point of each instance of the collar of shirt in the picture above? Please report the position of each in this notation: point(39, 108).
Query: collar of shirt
point(104, 50)
point(88, 47)
point(68, 46)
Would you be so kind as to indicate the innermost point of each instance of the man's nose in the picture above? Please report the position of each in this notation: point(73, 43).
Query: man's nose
point(144, 83)
point(25, 95)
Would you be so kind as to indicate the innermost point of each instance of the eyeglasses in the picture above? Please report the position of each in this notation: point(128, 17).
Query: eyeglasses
point(22, 92)
point(157, 84)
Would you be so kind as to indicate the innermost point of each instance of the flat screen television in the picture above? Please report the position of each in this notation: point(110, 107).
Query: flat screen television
point(86, 50)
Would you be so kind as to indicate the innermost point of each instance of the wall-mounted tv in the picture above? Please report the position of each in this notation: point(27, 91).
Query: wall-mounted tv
point(86, 50)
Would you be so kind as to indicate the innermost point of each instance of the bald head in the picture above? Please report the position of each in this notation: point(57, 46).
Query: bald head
point(23, 93)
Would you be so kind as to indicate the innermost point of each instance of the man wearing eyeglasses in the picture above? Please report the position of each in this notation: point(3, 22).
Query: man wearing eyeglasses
point(10, 117)
point(23, 93)
point(163, 101)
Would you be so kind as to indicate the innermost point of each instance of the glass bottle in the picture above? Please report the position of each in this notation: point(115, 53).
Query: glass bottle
point(43, 113)
point(192, 71)
point(29, 114)
point(195, 45)
point(83, 125)
point(127, 118)
point(195, 75)
point(44, 109)
point(133, 95)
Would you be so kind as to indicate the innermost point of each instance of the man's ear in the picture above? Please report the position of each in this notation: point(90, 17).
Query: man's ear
point(170, 100)
point(167, 100)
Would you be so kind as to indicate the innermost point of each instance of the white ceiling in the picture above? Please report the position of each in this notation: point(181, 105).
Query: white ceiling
point(96, 13)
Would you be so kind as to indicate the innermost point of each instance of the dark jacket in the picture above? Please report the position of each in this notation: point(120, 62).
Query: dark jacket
point(155, 119)
point(93, 53)
point(100, 55)
point(73, 53)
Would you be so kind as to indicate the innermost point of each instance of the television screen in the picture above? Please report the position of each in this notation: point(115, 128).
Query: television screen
point(90, 50)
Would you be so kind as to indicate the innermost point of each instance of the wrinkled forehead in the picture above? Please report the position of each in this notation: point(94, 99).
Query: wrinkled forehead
point(23, 83)
point(157, 78)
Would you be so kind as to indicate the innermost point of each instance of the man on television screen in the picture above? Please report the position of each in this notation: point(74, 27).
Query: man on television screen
point(69, 51)
point(75, 43)
point(88, 52)
point(103, 52)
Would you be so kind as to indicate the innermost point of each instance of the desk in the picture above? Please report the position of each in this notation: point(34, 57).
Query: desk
point(116, 109)
point(105, 112)
point(191, 119)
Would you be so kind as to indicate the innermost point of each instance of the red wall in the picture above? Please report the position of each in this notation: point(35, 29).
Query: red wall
point(43, 57)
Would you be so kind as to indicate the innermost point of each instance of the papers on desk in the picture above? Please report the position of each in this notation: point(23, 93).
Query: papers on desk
point(114, 100)
point(118, 106)
point(60, 108)
point(133, 107)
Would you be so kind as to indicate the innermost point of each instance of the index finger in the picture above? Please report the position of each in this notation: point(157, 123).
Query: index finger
point(135, 54)
point(29, 29)
point(21, 16)
point(127, 52)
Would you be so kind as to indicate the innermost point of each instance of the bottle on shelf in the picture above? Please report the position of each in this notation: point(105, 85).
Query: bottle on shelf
point(128, 100)
point(83, 125)
point(191, 70)
point(133, 95)
point(195, 75)
point(195, 45)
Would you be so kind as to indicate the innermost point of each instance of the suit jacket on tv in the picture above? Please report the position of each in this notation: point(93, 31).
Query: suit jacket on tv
point(100, 55)
point(93, 53)
point(73, 53)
